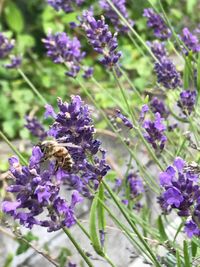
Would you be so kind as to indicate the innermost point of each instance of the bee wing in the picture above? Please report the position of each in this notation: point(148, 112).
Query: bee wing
point(68, 145)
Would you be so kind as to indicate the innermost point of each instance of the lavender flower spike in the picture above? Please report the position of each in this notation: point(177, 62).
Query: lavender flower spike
point(6, 45)
point(113, 16)
point(62, 49)
point(35, 127)
point(156, 22)
point(167, 74)
point(191, 41)
point(65, 5)
point(124, 119)
point(101, 39)
point(154, 132)
point(187, 101)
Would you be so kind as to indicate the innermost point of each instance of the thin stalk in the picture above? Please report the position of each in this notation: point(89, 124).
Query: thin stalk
point(34, 89)
point(152, 184)
point(23, 160)
point(134, 121)
point(79, 249)
point(118, 204)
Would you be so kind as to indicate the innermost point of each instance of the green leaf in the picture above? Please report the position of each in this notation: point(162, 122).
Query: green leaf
point(62, 257)
point(161, 228)
point(94, 234)
point(14, 17)
point(178, 259)
point(100, 208)
point(8, 260)
point(23, 247)
point(194, 249)
point(190, 5)
point(186, 254)
point(186, 74)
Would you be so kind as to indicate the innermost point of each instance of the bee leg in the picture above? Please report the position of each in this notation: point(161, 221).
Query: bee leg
point(56, 166)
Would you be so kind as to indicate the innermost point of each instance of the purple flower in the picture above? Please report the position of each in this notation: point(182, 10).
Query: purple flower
point(124, 119)
point(191, 229)
point(156, 22)
point(173, 196)
point(102, 40)
point(70, 264)
point(158, 49)
point(88, 72)
point(15, 62)
point(154, 132)
point(35, 127)
point(144, 110)
point(157, 105)
point(113, 16)
point(135, 184)
point(6, 45)
point(182, 193)
point(62, 49)
point(191, 41)
point(65, 5)
point(187, 101)
point(167, 74)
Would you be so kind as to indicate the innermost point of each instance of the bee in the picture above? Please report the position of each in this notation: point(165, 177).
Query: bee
point(58, 151)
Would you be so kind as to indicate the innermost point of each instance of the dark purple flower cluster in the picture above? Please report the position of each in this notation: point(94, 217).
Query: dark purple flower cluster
point(35, 127)
point(156, 22)
point(191, 41)
point(167, 75)
point(182, 193)
point(157, 105)
point(6, 46)
point(158, 49)
point(187, 101)
point(73, 126)
point(65, 5)
point(154, 132)
point(136, 185)
point(124, 119)
point(62, 49)
point(102, 40)
point(113, 16)
point(38, 199)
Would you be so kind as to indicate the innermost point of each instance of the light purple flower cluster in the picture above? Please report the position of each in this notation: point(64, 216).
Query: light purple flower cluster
point(191, 41)
point(65, 5)
point(167, 75)
point(156, 22)
point(187, 101)
point(124, 119)
point(38, 199)
point(113, 16)
point(6, 46)
point(136, 185)
point(62, 49)
point(158, 49)
point(102, 40)
point(35, 127)
point(157, 105)
point(154, 130)
point(73, 126)
point(182, 193)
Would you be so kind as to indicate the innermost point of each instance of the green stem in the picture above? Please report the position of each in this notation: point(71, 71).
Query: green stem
point(131, 224)
point(23, 160)
point(79, 249)
point(131, 29)
point(34, 89)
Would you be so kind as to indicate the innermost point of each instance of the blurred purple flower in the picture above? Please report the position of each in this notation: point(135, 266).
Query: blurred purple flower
point(167, 75)
point(35, 127)
point(191, 41)
point(156, 22)
point(154, 132)
point(15, 62)
point(113, 16)
point(187, 101)
point(6, 45)
point(124, 119)
point(157, 105)
point(62, 49)
point(158, 49)
point(65, 5)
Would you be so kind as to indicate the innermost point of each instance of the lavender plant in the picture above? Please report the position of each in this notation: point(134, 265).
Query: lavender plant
point(154, 126)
